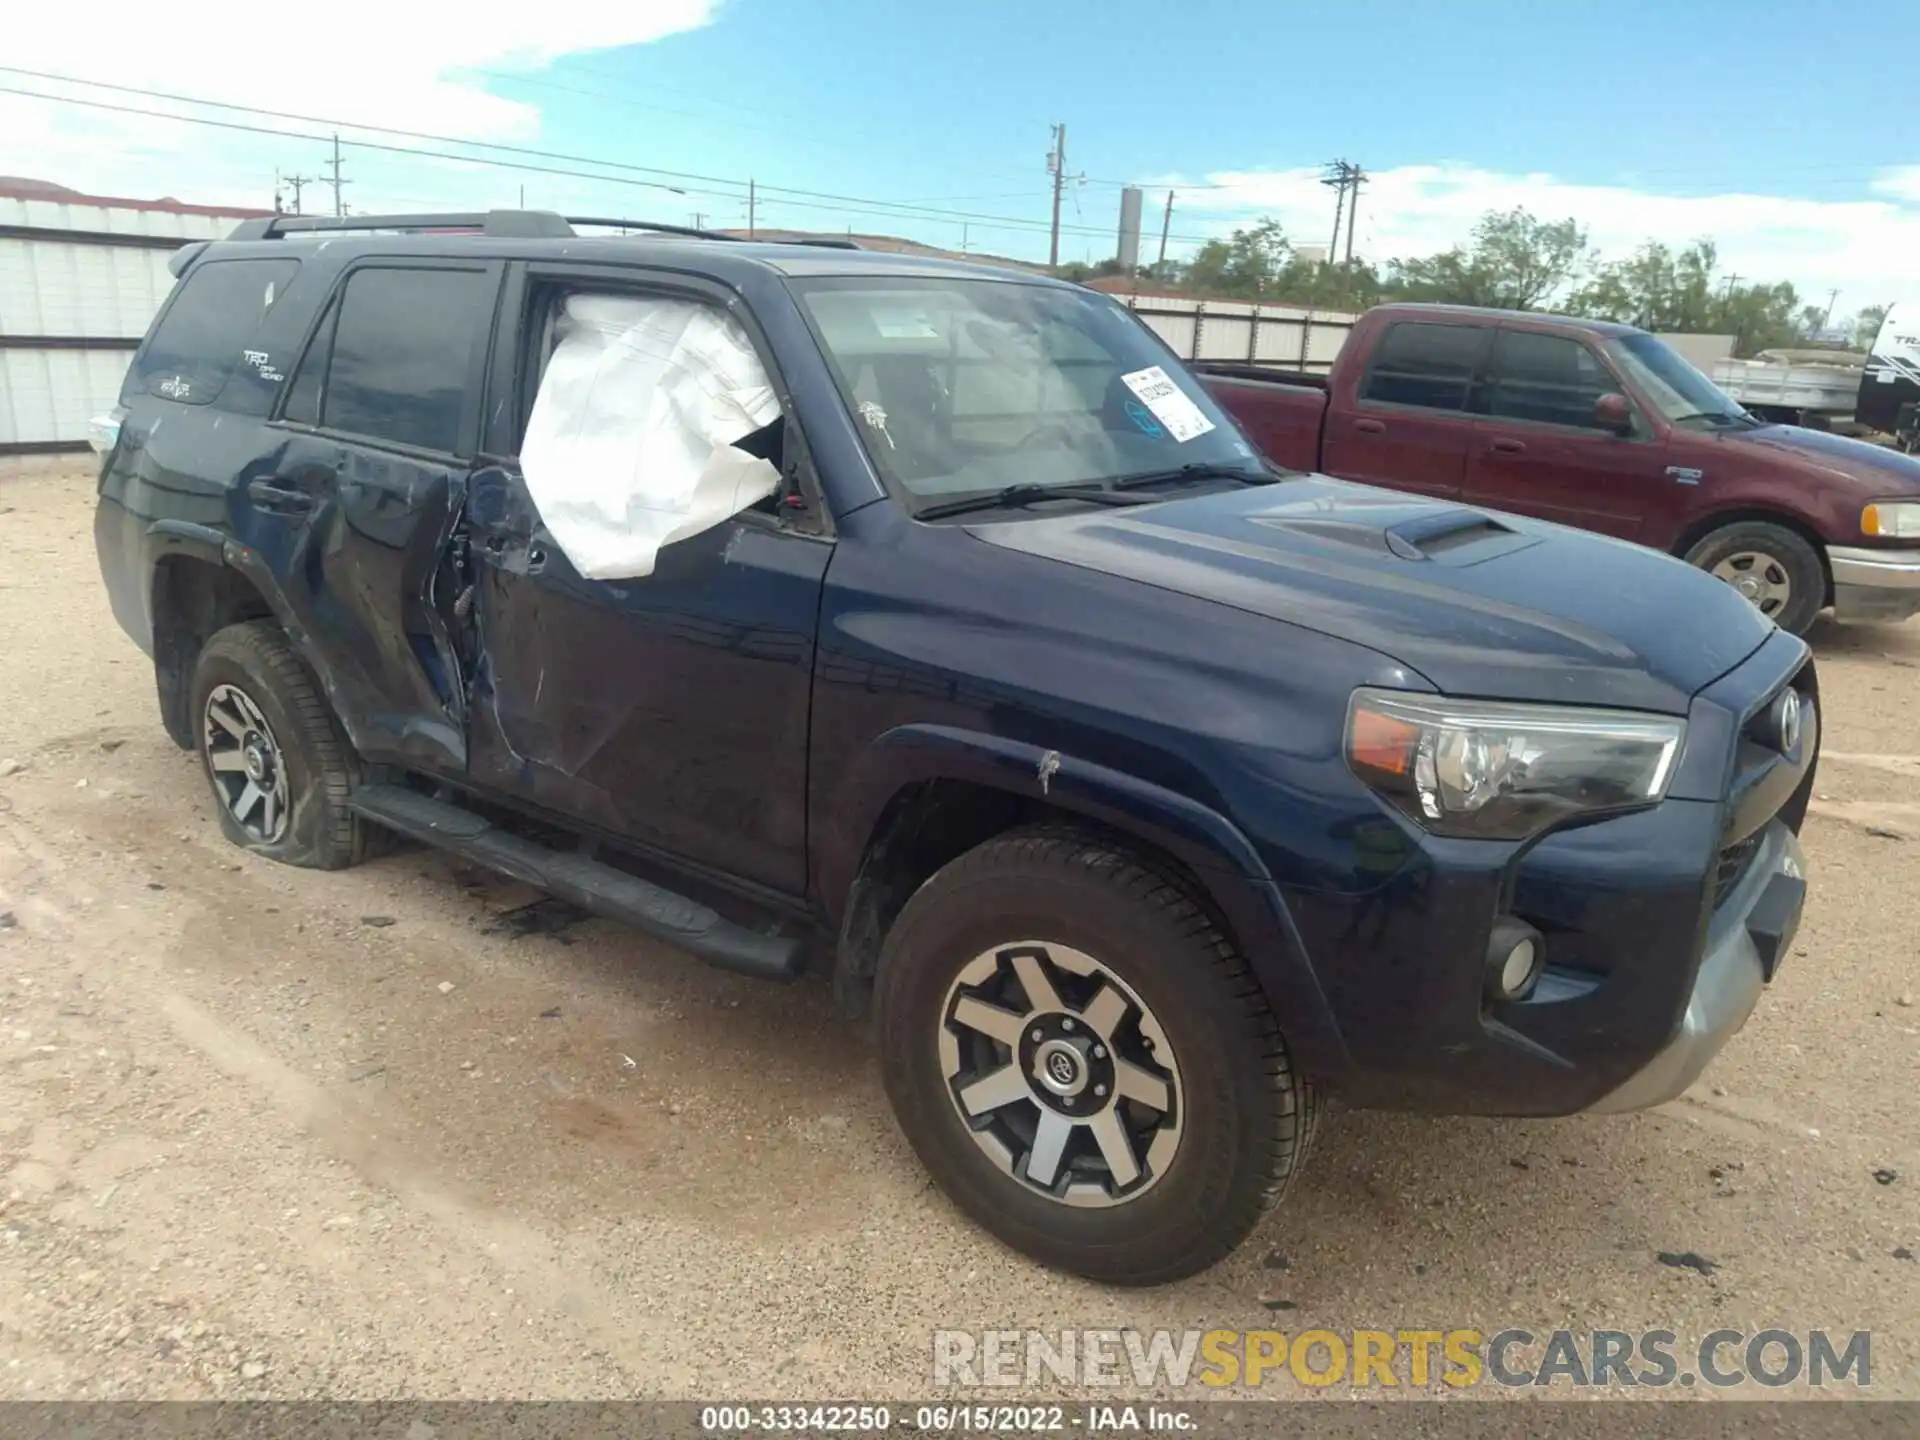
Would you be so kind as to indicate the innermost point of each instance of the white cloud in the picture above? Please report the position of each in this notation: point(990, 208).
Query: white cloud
point(400, 64)
point(1863, 247)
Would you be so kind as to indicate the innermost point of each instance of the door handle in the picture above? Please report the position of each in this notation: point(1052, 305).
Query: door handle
point(279, 499)
point(1508, 447)
point(536, 559)
point(1371, 427)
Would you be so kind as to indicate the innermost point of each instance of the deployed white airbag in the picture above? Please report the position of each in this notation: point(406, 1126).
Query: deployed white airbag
point(630, 446)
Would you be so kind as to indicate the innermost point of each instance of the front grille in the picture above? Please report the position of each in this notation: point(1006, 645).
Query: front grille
point(1733, 864)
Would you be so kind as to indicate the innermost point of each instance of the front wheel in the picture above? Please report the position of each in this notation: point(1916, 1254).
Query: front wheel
point(1084, 1063)
point(1772, 567)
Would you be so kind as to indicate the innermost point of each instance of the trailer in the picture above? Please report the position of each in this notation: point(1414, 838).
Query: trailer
point(1890, 384)
point(1795, 387)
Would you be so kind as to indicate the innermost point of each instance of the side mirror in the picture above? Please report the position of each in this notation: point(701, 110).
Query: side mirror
point(1613, 413)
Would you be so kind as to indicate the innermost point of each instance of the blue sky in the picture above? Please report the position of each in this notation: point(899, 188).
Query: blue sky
point(1791, 140)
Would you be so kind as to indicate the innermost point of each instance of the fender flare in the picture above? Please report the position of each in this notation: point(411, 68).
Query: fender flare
point(167, 538)
point(1221, 857)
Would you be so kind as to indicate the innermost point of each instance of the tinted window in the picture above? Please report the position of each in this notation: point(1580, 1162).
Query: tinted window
point(1428, 365)
point(1546, 378)
point(401, 352)
point(303, 396)
point(214, 317)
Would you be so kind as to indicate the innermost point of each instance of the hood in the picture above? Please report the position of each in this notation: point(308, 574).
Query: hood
point(1481, 603)
point(1884, 471)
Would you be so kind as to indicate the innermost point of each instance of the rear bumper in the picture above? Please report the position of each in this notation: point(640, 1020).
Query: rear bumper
point(1751, 936)
point(1874, 584)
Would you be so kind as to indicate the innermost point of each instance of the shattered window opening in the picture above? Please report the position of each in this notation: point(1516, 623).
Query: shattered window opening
point(652, 422)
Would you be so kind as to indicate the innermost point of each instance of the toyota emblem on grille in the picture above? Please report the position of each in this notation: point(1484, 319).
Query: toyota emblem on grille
point(1786, 722)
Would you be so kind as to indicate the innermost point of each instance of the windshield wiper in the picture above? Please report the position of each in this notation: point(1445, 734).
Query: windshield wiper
point(1198, 470)
point(1014, 495)
point(1716, 417)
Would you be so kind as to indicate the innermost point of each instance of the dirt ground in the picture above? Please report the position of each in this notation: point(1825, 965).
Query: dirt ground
point(388, 1134)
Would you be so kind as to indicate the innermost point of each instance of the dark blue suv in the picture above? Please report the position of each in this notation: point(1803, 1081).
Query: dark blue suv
point(930, 624)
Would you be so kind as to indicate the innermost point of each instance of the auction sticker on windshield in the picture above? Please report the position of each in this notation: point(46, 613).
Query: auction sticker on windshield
point(1169, 403)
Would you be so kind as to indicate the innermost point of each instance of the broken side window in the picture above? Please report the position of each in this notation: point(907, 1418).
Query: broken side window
point(650, 424)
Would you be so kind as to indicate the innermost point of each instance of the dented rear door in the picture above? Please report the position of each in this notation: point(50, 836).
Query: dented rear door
point(361, 501)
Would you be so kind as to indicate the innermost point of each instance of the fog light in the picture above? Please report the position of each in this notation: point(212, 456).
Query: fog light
point(1515, 955)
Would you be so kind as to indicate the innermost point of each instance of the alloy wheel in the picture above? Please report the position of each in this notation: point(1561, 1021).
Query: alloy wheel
point(247, 765)
point(1061, 1074)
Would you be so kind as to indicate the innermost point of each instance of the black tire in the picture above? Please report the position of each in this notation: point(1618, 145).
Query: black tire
point(317, 831)
point(1797, 560)
point(1247, 1115)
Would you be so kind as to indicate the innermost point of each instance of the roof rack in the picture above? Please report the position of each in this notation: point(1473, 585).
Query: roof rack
point(497, 224)
point(501, 224)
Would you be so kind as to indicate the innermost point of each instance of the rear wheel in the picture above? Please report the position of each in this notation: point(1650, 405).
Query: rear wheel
point(1773, 567)
point(279, 768)
point(1084, 1062)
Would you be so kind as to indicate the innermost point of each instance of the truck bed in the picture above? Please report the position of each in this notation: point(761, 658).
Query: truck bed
point(1280, 415)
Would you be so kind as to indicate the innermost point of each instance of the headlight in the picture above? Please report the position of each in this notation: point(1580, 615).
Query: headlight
point(1504, 772)
point(1893, 519)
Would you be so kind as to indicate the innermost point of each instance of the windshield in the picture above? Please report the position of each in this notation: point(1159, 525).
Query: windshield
point(967, 387)
point(1677, 390)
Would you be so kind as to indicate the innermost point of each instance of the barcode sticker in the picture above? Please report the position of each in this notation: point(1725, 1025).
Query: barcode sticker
point(1170, 405)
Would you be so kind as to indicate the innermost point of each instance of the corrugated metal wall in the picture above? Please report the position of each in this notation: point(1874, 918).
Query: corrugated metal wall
point(79, 283)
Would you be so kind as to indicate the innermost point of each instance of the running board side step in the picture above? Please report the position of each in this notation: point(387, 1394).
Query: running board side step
point(583, 882)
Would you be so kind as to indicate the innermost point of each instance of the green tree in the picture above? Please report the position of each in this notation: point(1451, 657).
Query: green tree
point(1661, 289)
point(1866, 325)
point(1514, 261)
point(1244, 266)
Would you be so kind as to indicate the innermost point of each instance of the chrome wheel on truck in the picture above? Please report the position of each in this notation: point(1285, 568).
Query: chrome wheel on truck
point(1061, 1073)
point(1083, 1060)
point(1776, 569)
point(1759, 579)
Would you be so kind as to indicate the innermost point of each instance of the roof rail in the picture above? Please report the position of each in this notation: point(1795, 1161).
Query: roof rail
point(651, 225)
point(497, 224)
point(500, 224)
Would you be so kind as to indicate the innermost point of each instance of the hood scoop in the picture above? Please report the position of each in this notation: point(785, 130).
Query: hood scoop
point(1451, 536)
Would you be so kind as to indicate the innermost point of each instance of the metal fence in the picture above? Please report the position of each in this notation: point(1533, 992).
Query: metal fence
point(1233, 331)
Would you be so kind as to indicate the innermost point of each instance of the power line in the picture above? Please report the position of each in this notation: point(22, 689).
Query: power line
point(801, 198)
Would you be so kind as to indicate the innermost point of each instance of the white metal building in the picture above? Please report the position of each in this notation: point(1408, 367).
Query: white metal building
point(80, 277)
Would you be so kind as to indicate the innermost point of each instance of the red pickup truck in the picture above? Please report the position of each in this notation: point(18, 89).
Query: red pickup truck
point(1606, 428)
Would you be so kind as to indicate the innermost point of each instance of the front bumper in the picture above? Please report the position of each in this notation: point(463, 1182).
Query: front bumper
point(1874, 584)
point(1751, 935)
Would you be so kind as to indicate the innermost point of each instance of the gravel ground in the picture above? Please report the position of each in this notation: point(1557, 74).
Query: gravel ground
point(384, 1134)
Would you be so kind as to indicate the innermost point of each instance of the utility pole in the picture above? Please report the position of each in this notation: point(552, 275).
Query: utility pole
point(1829, 316)
point(751, 201)
point(1057, 165)
point(1338, 174)
point(699, 220)
point(1356, 177)
point(1732, 280)
point(295, 183)
point(1166, 224)
point(963, 237)
point(336, 179)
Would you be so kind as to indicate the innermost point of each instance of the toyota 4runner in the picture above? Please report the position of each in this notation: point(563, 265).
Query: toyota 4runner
point(930, 624)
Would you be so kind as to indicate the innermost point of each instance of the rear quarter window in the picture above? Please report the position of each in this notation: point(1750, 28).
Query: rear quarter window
point(208, 327)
